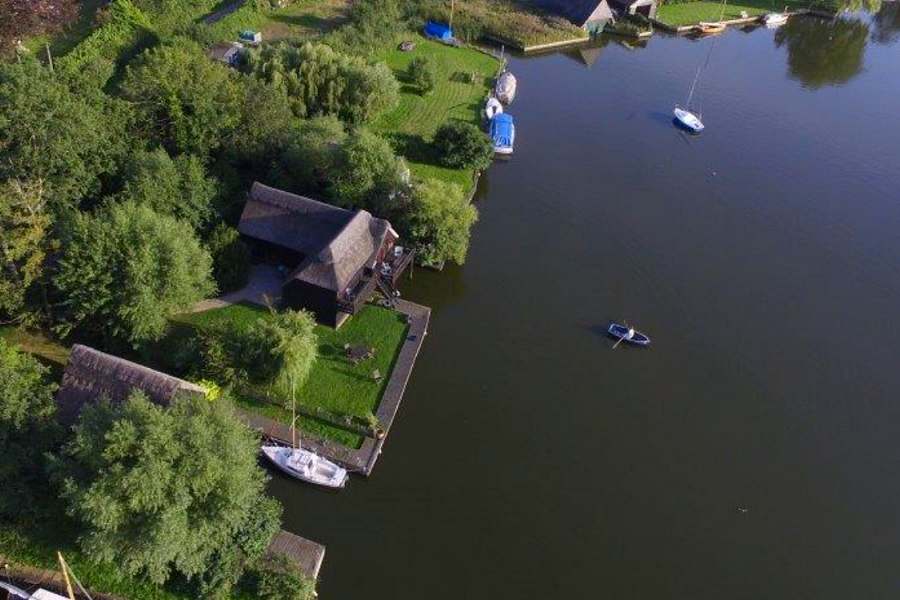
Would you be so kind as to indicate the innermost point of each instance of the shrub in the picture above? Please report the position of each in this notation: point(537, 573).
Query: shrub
point(231, 258)
point(463, 146)
point(422, 73)
point(439, 222)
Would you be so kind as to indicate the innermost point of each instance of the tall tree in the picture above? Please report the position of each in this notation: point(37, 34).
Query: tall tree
point(26, 426)
point(439, 222)
point(367, 171)
point(25, 241)
point(177, 187)
point(168, 491)
point(126, 270)
point(188, 102)
point(49, 133)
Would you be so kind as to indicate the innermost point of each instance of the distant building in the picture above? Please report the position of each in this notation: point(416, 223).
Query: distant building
point(335, 259)
point(647, 8)
point(590, 15)
point(227, 52)
point(91, 375)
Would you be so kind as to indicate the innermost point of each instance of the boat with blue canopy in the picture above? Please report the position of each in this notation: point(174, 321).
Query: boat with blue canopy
point(503, 133)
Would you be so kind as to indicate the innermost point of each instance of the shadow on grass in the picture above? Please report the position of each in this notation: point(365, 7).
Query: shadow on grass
point(313, 22)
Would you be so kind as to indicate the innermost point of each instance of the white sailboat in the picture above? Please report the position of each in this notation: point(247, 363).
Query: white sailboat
point(302, 464)
point(684, 117)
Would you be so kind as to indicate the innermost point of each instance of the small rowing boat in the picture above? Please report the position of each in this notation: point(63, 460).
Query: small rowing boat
point(624, 333)
point(492, 108)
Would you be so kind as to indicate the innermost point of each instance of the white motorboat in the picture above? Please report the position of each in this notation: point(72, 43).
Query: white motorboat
point(774, 19)
point(492, 108)
point(505, 89)
point(306, 465)
point(688, 120)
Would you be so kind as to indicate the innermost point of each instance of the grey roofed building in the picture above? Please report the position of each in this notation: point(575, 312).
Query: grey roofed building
point(588, 14)
point(226, 52)
point(91, 375)
point(647, 8)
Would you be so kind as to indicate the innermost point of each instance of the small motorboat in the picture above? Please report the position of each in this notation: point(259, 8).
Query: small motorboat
point(505, 88)
point(306, 465)
point(503, 133)
point(709, 28)
point(623, 333)
point(688, 120)
point(492, 108)
point(774, 19)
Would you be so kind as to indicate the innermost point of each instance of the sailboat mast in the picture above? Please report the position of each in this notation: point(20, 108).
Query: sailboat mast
point(693, 85)
point(65, 570)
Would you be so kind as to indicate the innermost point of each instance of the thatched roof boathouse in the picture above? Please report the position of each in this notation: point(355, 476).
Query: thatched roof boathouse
point(334, 258)
point(91, 374)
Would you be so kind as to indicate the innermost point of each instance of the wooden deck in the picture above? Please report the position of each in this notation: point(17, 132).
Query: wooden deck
point(362, 460)
point(304, 555)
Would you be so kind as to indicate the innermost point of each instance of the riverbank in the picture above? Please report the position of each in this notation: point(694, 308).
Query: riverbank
point(681, 16)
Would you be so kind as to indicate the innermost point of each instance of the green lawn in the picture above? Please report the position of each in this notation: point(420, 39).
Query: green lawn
point(334, 384)
point(691, 13)
point(302, 20)
point(411, 126)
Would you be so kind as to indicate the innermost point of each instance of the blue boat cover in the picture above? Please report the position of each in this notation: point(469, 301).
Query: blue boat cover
point(438, 30)
point(502, 130)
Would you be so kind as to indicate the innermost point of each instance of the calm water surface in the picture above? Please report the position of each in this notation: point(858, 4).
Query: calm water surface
point(531, 461)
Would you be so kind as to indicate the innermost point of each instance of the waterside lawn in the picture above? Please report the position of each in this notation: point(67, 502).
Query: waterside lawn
point(464, 77)
point(335, 384)
point(691, 13)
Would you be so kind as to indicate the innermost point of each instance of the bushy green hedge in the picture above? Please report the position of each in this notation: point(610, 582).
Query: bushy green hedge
point(125, 32)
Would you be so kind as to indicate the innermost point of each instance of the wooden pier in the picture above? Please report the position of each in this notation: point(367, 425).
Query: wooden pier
point(302, 554)
point(361, 460)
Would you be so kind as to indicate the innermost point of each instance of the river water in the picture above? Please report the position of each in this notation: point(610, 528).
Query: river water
point(754, 451)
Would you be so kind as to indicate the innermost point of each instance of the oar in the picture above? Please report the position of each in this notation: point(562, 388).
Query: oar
point(617, 343)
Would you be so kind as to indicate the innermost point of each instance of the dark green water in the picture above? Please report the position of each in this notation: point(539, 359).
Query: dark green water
point(531, 461)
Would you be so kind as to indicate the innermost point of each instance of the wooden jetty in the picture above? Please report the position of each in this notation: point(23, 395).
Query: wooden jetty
point(748, 20)
point(362, 460)
point(302, 554)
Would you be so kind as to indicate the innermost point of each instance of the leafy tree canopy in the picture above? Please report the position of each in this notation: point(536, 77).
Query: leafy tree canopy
point(309, 160)
point(177, 187)
point(231, 258)
point(367, 171)
point(440, 221)
point(265, 125)
point(462, 145)
point(49, 133)
point(126, 270)
point(26, 426)
point(166, 491)
point(319, 81)
point(189, 103)
point(24, 243)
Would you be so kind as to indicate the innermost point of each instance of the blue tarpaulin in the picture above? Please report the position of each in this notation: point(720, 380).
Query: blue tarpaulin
point(438, 31)
point(502, 131)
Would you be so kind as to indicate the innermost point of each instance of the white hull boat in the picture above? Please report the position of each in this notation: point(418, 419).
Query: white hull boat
point(505, 90)
point(492, 108)
point(688, 120)
point(306, 466)
point(775, 19)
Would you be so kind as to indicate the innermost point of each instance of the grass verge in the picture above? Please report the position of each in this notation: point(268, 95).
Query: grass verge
point(464, 76)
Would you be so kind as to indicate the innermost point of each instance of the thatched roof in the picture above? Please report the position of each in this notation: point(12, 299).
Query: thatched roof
point(336, 243)
point(578, 12)
point(91, 374)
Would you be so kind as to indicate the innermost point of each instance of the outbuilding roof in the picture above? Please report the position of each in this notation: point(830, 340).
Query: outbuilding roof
point(91, 374)
point(578, 12)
